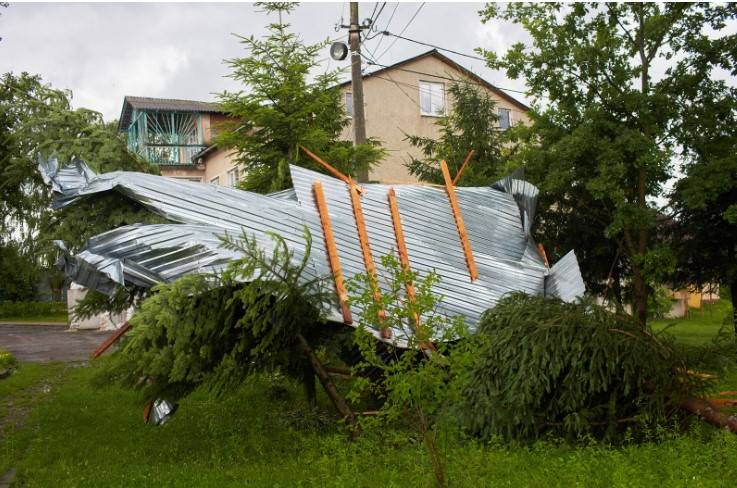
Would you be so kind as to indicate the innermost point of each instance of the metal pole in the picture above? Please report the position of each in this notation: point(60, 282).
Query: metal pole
point(359, 120)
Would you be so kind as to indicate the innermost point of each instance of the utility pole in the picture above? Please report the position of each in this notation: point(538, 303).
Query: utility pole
point(359, 119)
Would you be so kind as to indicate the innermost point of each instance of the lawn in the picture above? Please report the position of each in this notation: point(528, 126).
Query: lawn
point(700, 327)
point(264, 435)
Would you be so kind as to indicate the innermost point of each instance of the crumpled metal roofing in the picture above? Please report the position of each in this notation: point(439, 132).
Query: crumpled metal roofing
point(498, 220)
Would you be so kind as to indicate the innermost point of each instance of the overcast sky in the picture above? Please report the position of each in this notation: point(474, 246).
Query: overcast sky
point(176, 50)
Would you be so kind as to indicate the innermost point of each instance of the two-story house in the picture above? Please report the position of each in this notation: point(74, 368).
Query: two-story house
point(176, 135)
point(405, 98)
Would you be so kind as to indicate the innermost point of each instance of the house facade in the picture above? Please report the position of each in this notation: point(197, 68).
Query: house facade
point(177, 135)
point(408, 97)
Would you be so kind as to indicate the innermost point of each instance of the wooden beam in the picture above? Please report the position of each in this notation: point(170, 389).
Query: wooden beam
point(543, 254)
point(462, 234)
point(327, 166)
point(333, 259)
point(368, 259)
point(115, 337)
point(404, 261)
point(463, 166)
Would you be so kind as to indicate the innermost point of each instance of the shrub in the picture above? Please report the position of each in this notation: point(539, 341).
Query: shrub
point(543, 366)
point(7, 360)
point(217, 330)
point(31, 309)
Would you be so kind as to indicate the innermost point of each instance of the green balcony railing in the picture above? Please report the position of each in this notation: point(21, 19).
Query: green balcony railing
point(166, 138)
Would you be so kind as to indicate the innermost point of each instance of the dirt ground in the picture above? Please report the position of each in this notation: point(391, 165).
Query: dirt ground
point(46, 343)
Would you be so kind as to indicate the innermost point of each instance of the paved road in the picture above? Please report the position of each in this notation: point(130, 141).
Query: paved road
point(45, 343)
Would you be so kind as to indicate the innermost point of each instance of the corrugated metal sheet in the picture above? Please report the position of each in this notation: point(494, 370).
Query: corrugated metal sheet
point(497, 219)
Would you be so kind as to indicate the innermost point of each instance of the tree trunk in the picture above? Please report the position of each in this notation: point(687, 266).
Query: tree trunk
point(308, 381)
point(733, 292)
point(327, 383)
point(639, 297)
point(706, 411)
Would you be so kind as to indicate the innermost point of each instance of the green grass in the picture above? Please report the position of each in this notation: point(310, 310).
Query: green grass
point(700, 327)
point(89, 437)
point(59, 318)
point(76, 435)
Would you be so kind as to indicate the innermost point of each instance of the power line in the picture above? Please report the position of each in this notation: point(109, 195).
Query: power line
point(399, 36)
point(402, 32)
point(374, 20)
point(374, 63)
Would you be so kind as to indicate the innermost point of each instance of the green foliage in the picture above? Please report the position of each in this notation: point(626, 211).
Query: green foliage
point(31, 309)
point(283, 106)
point(18, 273)
point(37, 120)
point(546, 367)
point(121, 300)
point(473, 123)
point(659, 303)
point(7, 360)
point(413, 383)
point(218, 330)
point(704, 231)
point(602, 143)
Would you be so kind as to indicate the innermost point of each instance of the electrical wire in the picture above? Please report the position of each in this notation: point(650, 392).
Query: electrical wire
point(372, 62)
point(399, 36)
point(402, 32)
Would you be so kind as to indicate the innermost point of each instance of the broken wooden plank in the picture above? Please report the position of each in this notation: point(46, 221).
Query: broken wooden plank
point(368, 259)
point(404, 261)
point(333, 259)
point(115, 337)
point(326, 165)
point(463, 166)
point(543, 254)
point(462, 234)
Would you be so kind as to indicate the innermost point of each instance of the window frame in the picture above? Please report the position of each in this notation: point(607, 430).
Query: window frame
point(443, 98)
point(348, 106)
point(509, 117)
point(234, 177)
point(215, 180)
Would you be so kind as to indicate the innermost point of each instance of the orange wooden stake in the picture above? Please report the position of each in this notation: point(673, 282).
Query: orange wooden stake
point(463, 166)
point(327, 166)
point(115, 337)
point(450, 189)
point(327, 230)
point(147, 411)
point(543, 254)
point(368, 259)
point(404, 260)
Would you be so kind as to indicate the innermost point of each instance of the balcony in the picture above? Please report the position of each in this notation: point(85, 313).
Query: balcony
point(166, 138)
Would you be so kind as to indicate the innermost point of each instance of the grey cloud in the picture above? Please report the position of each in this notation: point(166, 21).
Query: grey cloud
point(105, 51)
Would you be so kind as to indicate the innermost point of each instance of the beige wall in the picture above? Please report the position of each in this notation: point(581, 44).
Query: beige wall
point(217, 166)
point(392, 107)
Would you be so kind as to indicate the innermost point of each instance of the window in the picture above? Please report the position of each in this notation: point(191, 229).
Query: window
point(194, 179)
point(215, 181)
point(349, 104)
point(432, 99)
point(233, 177)
point(505, 118)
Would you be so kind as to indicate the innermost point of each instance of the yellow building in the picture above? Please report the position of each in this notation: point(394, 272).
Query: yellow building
point(405, 98)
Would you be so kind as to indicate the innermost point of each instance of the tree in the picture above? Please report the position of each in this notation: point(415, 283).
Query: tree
point(217, 330)
point(281, 108)
point(704, 231)
point(608, 118)
point(472, 123)
point(37, 120)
